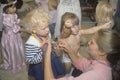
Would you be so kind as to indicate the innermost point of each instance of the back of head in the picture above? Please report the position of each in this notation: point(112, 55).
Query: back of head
point(34, 17)
point(108, 42)
point(104, 11)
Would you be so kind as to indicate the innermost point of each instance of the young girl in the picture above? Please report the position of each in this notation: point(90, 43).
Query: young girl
point(12, 45)
point(66, 6)
point(104, 49)
point(104, 12)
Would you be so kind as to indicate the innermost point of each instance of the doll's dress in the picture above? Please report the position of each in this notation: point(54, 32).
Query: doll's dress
point(13, 53)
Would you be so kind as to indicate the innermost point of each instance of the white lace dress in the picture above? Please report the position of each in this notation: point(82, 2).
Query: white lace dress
point(66, 6)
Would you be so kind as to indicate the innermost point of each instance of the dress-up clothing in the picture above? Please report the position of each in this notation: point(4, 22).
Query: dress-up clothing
point(92, 70)
point(13, 53)
point(66, 6)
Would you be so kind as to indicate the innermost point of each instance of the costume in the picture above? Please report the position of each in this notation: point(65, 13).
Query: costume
point(66, 6)
point(92, 70)
point(12, 45)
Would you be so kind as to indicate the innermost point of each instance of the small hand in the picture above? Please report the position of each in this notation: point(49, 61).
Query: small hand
point(107, 25)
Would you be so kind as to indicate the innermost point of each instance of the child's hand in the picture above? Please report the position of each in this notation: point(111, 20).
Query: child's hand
point(107, 25)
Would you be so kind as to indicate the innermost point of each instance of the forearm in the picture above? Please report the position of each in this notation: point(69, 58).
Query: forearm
point(74, 57)
point(48, 73)
point(91, 30)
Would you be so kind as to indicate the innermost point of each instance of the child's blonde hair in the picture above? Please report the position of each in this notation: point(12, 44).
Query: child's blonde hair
point(104, 12)
point(34, 17)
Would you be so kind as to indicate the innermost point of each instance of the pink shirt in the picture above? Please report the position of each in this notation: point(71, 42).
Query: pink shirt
point(92, 70)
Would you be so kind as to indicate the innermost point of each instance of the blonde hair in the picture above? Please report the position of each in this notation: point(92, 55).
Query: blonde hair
point(104, 12)
point(33, 18)
point(52, 4)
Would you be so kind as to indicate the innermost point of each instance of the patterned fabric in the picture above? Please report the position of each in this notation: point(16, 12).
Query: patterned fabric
point(33, 54)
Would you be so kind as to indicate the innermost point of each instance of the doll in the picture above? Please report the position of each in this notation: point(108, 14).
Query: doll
point(13, 53)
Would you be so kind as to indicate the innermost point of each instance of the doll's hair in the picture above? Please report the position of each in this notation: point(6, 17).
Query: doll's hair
point(66, 16)
point(5, 9)
point(109, 42)
point(52, 4)
point(19, 4)
point(104, 11)
point(32, 19)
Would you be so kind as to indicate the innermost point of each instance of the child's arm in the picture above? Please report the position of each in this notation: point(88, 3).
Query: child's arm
point(48, 73)
point(95, 29)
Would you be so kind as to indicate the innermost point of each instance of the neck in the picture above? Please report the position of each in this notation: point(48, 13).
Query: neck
point(104, 59)
point(40, 37)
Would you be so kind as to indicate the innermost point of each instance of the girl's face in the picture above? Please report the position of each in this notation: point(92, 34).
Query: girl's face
point(68, 23)
point(42, 28)
point(75, 30)
point(12, 9)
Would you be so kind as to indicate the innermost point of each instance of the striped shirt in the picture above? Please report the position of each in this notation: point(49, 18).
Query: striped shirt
point(33, 52)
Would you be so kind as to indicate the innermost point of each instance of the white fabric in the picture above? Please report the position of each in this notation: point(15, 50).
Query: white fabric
point(33, 41)
point(66, 6)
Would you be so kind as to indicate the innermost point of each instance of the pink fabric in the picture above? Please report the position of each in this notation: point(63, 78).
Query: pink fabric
point(13, 53)
point(92, 70)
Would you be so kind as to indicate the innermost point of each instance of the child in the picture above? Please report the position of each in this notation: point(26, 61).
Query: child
point(52, 6)
point(66, 6)
point(70, 31)
point(104, 49)
point(37, 21)
point(12, 45)
point(2, 4)
point(104, 12)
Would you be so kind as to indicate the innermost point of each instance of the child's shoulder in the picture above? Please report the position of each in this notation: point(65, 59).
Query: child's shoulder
point(33, 41)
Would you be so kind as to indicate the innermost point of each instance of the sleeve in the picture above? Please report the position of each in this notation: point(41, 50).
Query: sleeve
point(83, 64)
point(33, 54)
